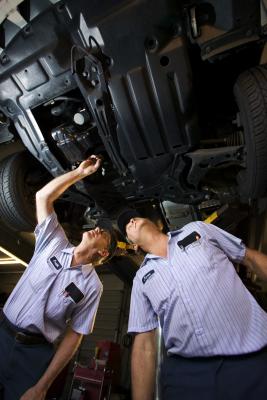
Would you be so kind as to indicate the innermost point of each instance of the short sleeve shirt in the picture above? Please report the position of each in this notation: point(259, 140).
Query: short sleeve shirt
point(196, 295)
point(39, 302)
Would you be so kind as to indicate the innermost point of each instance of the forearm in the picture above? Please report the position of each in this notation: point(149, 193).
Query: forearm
point(143, 373)
point(63, 355)
point(256, 262)
point(54, 189)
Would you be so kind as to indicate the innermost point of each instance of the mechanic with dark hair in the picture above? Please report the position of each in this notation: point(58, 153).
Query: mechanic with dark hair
point(214, 331)
point(58, 292)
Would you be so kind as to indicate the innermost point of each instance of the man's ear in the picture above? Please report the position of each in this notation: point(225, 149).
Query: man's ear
point(103, 252)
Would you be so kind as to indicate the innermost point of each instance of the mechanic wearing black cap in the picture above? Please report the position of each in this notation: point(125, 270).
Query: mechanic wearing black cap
point(214, 331)
point(59, 287)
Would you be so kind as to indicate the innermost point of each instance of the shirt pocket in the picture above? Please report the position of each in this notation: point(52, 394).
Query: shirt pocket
point(42, 275)
point(60, 308)
point(159, 290)
point(203, 253)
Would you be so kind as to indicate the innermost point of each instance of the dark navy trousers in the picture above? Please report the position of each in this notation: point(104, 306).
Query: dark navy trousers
point(215, 378)
point(21, 365)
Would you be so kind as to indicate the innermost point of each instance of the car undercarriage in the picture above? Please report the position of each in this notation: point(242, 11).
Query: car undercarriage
point(172, 95)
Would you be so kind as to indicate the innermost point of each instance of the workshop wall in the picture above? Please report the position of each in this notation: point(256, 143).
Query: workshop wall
point(108, 319)
point(8, 281)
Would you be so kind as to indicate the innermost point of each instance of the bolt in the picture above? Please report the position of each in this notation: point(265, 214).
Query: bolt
point(208, 49)
point(177, 30)
point(151, 43)
point(94, 82)
point(10, 109)
point(27, 30)
point(108, 61)
point(4, 59)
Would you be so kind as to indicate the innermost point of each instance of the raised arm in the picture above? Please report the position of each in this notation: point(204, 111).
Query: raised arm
point(144, 365)
point(46, 196)
point(256, 262)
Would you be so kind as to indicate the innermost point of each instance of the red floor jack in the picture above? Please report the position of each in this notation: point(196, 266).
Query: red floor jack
point(94, 382)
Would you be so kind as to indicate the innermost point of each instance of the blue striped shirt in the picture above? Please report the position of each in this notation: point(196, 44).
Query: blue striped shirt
point(203, 307)
point(38, 302)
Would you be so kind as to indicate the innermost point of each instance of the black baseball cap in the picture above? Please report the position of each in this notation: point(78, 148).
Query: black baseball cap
point(124, 218)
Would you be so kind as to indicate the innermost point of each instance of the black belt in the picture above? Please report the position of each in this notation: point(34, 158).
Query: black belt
point(21, 335)
point(217, 357)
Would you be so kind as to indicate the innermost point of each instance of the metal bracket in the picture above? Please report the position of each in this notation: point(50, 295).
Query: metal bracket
point(204, 159)
point(91, 74)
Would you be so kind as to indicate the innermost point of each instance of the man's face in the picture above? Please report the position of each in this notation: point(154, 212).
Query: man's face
point(97, 239)
point(136, 227)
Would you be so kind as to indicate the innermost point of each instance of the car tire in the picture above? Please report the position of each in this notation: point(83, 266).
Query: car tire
point(17, 195)
point(250, 91)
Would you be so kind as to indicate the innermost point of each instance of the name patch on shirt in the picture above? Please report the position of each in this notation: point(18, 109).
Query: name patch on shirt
point(193, 237)
point(55, 262)
point(147, 276)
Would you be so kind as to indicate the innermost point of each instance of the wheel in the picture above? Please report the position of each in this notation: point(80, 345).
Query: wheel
point(250, 91)
point(20, 177)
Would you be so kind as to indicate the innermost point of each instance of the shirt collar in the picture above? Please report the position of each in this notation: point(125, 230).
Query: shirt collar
point(68, 250)
point(150, 256)
point(174, 233)
point(86, 268)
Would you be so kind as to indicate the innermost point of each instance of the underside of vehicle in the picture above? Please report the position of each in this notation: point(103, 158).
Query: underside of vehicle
point(172, 95)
